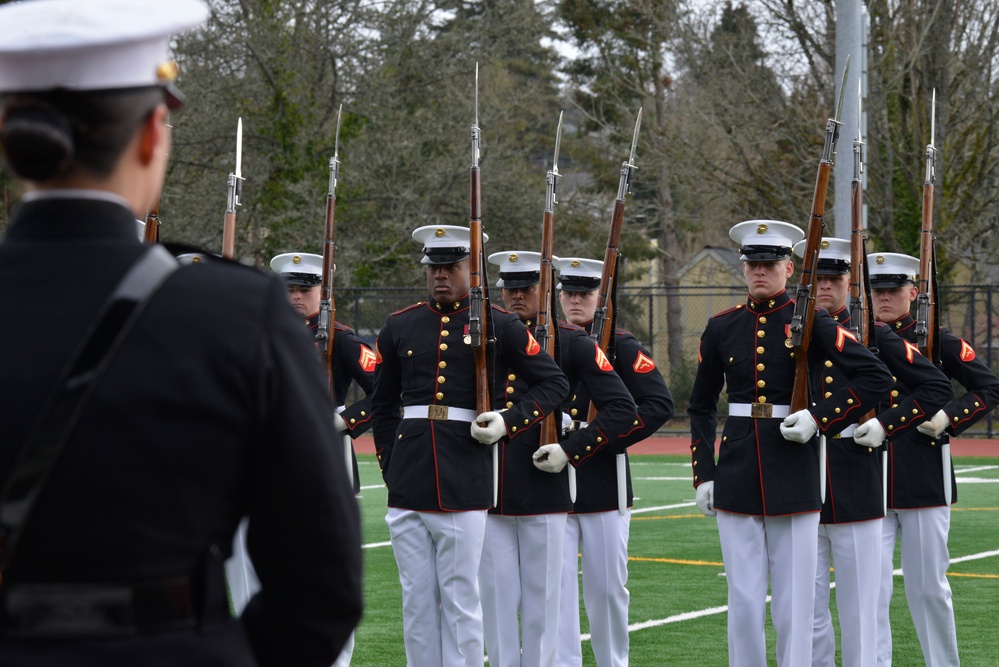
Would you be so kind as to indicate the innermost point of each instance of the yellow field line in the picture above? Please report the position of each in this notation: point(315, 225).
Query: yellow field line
point(675, 561)
point(970, 575)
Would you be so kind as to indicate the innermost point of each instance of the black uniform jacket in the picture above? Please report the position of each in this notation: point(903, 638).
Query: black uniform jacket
point(914, 461)
point(213, 409)
point(596, 482)
point(748, 348)
point(352, 361)
point(523, 488)
point(853, 472)
point(424, 359)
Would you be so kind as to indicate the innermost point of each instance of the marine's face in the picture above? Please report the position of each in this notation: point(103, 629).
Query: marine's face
point(832, 291)
point(524, 302)
point(892, 303)
point(578, 307)
point(304, 299)
point(448, 282)
point(766, 279)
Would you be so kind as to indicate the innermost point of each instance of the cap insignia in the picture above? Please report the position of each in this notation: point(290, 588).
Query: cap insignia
point(880, 259)
point(761, 229)
point(824, 245)
point(439, 232)
point(513, 257)
point(574, 263)
point(167, 71)
point(297, 259)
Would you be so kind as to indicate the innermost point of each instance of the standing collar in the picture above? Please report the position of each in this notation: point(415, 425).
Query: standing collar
point(57, 217)
point(764, 306)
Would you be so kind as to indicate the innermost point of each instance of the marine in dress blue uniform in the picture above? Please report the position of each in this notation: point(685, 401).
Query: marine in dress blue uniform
point(435, 460)
point(851, 518)
point(190, 428)
point(918, 511)
point(597, 528)
point(765, 484)
point(521, 566)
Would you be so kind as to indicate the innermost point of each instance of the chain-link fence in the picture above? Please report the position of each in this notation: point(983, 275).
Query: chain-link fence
point(969, 311)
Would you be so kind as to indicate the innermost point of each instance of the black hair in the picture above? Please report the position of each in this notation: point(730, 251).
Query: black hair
point(49, 134)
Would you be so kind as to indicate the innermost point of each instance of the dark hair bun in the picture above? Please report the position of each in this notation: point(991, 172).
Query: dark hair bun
point(38, 143)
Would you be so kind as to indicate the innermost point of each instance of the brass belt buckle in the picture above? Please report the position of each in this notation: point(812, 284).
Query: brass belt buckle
point(437, 412)
point(761, 410)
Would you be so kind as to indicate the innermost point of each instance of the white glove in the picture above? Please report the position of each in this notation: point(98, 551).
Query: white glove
point(488, 427)
point(706, 498)
point(869, 434)
point(799, 427)
point(550, 458)
point(935, 425)
point(341, 425)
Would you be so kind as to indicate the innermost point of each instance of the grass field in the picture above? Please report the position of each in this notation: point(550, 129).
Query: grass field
point(678, 590)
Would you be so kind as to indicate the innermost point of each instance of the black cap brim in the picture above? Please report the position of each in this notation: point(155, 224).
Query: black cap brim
point(519, 279)
point(305, 279)
point(764, 253)
point(889, 280)
point(443, 255)
point(579, 284)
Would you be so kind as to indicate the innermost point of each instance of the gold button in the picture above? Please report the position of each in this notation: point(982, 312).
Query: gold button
point(894, 405)
point(828, 364)
point(441, 379)
point(576, 457)
point(695, 463)
point(825, 420)
point(955, 419)
point(442, 364)
point(976, 404)
point(695, 478)
point(509, 390)
point(409, 353)
point(445, 319)
point(760, 350)
point(869, 450)
point(380, 456)
point(445, 333)
point(599, 439)
point(763, 320)
point(787, 343)
point(635, 423)
point(849, 401)
point(724, 438)
point(363, 413)
point(440, 395)
point(828, 394)
point(890, 427)
point(588, 448)
point(761, 334)
point(513, 429)
point(353, 421)
point(443, 346)
point(761, 383)
point(915, 411)
point(693, 449)
point(511, 377)
point(400, 436)
point(966, 411)
point(536, 413)
point(457, 305)
point(762, 399)
point(894, 393)
point(526, 422)
point(829, 379)
point(573, 412)
point(574, 397)
point(731, 359)
point(836, 410)
point(760, 367)
point(509, 404)
point(902, 419)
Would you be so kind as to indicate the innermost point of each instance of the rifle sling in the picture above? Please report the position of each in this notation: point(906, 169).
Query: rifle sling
point(68, 399)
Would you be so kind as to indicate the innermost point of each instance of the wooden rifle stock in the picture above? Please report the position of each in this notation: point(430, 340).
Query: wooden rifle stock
point(804, 310)
point(546, 329)
point(151, 232)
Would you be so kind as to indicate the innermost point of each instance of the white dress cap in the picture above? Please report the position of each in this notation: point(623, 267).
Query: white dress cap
point(299, 268)
point(891, 269)
point(91, 44)
point(444, 244)
point(579, 274)
point(834, 255)
point(765, 240)
point(517, 268)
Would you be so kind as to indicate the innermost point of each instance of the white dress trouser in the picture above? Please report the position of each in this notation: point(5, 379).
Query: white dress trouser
point(438, 556)
point(785, 548)
point(925, 559)
point(854, 550)
point(602, 539)
point(521, 572)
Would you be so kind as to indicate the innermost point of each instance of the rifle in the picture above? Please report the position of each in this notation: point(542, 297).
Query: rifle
point(546, 326)
point(235, 190)
point(927, 326)
point(327, 303)
point(151, 232)
point(804, 309)
point(604, 317)
point(479, 316)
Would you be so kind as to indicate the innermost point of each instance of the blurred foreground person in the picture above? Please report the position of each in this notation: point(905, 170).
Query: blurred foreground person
point(132, 446)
